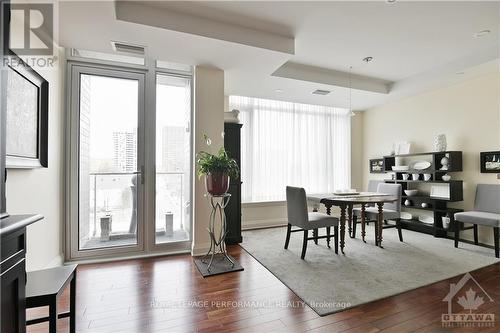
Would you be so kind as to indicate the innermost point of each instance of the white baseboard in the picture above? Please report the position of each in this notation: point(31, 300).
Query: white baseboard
point(200, 249)
point(259, 224)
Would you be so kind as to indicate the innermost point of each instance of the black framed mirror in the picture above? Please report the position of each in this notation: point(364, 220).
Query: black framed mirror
point(4, 44)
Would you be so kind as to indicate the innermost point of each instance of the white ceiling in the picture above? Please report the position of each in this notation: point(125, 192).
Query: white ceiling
point(415, 45)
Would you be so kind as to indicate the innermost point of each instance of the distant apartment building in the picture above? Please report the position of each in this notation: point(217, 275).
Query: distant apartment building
point(174, 148)
point(84, 156)
point(125, 151)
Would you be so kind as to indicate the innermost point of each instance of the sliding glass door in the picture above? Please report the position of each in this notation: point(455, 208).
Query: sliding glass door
point(112, 151)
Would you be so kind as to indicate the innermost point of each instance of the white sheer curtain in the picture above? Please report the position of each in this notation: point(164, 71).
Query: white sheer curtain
point(285, 143)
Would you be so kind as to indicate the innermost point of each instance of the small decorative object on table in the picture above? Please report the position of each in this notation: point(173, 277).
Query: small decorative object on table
point(407, 202)
point(217, 168)
point(424, 204)
point(444, 163)
point(490, 162)
point(440, 142)
point(446, 222)
point(232, 116)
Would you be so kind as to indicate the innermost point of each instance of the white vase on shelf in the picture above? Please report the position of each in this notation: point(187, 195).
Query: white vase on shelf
point(440, 142)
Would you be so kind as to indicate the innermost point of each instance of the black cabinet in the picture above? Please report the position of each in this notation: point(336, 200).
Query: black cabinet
point(13, 280)
point(13, 271)
point(232, 144)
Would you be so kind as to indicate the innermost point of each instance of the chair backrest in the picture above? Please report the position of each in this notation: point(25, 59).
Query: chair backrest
point(373, 185)
point(392, 189)
point(296, 206)
point(487, 198)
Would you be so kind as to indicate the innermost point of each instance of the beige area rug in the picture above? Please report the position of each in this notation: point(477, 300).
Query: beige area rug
point(329, 283)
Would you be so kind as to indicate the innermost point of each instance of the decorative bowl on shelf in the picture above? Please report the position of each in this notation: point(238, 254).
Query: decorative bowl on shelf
point(400, 168)
point(411, 193)
point(446, 177)
point(421, 165)
point(406, 216)
point(426, 219)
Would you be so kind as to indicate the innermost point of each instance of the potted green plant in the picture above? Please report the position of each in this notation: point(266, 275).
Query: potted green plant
point(218, 169)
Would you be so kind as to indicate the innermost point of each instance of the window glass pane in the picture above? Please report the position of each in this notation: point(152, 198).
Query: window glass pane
point(108, 161)
point(173, 151)
point(284, 143)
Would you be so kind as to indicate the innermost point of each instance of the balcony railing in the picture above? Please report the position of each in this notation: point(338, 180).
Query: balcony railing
point(115, 194)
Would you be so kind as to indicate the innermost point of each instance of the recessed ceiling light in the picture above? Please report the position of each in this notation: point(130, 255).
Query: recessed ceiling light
point(390, 2)
point(367, 59)
point(481, 33)
point(279, 91)
point(460, 73)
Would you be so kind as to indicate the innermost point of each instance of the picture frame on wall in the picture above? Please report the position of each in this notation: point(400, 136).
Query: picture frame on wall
point(490, 162)
point(26, 116)
point(377, 165)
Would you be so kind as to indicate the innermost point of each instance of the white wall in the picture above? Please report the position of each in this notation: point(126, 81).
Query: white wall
point(41, 190)
point(209, 120)
point(468, 113)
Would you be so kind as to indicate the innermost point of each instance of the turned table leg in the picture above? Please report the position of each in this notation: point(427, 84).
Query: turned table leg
point(380, 222)
point(349, 215)
point(363, 222)
point(342, 227)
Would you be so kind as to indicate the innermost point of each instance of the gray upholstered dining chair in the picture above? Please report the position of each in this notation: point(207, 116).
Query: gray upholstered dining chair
point(298, 216)
point(486, 212)
point(391, 211)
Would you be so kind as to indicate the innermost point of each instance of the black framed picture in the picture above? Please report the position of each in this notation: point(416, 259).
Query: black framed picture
point(490, 162)
point(377, 165)
point(26, 116)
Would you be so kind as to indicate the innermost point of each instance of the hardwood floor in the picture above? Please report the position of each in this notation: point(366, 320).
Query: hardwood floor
point(168, 294)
